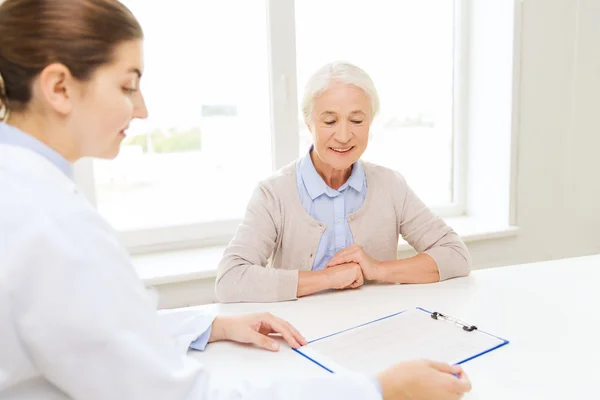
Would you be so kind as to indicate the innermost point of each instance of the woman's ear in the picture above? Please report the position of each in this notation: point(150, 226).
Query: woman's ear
point(57, 87)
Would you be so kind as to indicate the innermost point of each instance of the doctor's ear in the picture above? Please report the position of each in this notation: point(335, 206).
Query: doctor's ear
point(58, 87)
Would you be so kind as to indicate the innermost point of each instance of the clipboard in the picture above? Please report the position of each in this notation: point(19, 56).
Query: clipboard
point(407, 335)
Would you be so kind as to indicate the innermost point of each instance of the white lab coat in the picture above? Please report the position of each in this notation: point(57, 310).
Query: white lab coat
point(76, 322)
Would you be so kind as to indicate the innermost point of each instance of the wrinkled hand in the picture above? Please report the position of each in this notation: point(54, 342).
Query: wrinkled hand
point(421, 380)
point(355, 254)
point(345, 276)
point(255, 329)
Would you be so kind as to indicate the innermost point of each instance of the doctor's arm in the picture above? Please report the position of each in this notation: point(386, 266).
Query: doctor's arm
point(249, 329)
point(90, 328)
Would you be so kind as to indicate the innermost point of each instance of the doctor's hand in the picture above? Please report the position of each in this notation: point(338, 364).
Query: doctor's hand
point(344, 276)
point(355, 254)
point(255, 329)
point(420, 380)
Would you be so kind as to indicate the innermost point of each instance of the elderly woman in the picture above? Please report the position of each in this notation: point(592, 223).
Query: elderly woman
point(330, 220)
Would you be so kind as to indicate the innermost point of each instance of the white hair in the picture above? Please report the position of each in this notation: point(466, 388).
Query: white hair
point(337, 72)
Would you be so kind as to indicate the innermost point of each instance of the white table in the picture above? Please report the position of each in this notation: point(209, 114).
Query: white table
point(548, 311)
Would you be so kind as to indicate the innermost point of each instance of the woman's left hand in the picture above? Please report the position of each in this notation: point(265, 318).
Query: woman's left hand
point(371, 268)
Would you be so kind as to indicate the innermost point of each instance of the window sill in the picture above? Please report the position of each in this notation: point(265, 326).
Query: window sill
point(178, 266)
point(198, 264)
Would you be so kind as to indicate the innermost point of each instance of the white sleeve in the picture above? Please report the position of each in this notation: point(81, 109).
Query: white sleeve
point(185, 326)
point(90, 327)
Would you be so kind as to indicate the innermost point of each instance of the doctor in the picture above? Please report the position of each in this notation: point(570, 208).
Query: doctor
point(75, 321)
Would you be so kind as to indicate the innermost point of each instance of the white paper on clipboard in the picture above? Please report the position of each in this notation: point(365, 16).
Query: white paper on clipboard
point(409, 335)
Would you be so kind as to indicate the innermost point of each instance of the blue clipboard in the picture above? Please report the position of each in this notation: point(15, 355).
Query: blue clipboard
point(434, 315)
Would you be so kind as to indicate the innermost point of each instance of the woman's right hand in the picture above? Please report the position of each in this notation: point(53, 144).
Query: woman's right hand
point(344, 276)
point(421, 380)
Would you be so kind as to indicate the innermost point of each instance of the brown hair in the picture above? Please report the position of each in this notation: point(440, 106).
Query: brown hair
point(81, 34)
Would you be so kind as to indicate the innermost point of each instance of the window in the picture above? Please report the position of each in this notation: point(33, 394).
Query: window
point(222, 89)
point(407, 47)
point(207, 139)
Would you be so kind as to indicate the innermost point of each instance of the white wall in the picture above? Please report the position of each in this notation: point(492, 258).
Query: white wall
point(558, 175)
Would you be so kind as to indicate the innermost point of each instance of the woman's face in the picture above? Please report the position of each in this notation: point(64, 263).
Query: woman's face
point(341, 120)
point(107, 103)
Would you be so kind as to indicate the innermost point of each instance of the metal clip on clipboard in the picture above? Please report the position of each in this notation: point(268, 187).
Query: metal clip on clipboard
point(464, 325)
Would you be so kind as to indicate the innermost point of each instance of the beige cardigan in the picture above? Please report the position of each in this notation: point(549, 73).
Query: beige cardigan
point(277, 227)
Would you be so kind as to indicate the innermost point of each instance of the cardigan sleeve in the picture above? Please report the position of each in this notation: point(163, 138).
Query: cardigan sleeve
point(243, 275)
point(427, 233)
